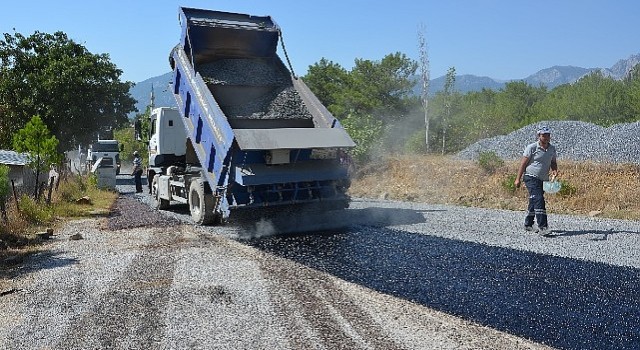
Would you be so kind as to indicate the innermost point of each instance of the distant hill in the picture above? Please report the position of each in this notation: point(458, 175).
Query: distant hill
point(141, 92)
point(557, 75)
point(549, 77)
point(464, 84)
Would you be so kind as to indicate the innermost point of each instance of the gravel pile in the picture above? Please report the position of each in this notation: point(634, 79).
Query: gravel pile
point(282, 102)
point(127, 213)
point(574, 140)
point(245, 72)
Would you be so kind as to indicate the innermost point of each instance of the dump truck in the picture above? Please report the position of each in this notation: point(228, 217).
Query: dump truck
point(104, 149)
point(247, 133)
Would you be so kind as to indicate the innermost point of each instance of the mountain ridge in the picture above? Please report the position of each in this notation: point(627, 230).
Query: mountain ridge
point(550, 77)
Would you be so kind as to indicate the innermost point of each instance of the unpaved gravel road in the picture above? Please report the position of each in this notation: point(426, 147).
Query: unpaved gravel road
point(143, 280)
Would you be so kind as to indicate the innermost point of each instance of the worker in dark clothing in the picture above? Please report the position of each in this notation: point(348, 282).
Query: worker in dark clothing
point(137, 171)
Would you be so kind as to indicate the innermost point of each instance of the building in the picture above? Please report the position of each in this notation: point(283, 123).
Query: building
point(22, 176)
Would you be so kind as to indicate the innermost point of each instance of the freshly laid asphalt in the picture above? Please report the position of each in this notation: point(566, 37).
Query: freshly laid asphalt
point(494, 278)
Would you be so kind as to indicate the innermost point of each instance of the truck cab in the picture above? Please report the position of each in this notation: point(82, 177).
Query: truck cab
point(104, 149)
point(167, 140)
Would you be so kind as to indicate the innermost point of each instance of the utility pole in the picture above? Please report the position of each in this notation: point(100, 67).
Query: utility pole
point(425, 77)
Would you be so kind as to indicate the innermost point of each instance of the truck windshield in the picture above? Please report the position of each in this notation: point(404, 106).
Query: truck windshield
point(101, 147)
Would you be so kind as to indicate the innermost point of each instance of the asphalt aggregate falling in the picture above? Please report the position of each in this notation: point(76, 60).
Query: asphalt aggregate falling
point(562, 302)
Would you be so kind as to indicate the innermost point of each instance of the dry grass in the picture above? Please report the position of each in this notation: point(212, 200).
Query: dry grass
point(611, 189)
point(18, 235)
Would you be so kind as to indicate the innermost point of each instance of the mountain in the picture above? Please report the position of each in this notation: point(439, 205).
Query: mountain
point(464, 84)
point(557, 75)
point(549, 77)
point(141, 92)
point(623, 67)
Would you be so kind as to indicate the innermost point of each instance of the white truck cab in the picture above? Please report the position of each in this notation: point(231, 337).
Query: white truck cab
point(167, 140)
point(104, 149)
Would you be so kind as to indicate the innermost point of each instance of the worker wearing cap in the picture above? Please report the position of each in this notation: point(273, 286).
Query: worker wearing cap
point(137, 171)
point(538, 162)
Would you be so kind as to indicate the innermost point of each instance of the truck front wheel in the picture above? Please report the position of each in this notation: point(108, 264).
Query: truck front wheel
point(160, 203)
point(201, 204)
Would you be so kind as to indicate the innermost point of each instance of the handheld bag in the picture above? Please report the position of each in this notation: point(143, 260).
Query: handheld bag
point(551, 186)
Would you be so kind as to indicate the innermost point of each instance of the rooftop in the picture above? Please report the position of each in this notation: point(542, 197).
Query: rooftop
point(13, 158)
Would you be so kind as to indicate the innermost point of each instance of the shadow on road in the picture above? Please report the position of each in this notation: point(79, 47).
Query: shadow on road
point(124, 180)
point(600, 235)
point(26, 262)
point(562, 302)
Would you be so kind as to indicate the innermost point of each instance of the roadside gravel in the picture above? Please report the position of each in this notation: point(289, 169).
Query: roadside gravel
point(574, 140)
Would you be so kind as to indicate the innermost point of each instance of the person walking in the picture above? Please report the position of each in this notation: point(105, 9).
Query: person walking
point(137, 171)
point(538, 162)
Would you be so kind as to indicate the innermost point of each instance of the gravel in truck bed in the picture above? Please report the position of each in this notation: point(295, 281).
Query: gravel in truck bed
point(281, 102)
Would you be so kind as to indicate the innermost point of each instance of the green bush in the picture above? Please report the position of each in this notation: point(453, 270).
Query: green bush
point(508, 183)
point(4, 181)
point(34, 211)
point(92, 181)
point(74, 188)
point(490, 161)
point(366, 132)
point(567, 189)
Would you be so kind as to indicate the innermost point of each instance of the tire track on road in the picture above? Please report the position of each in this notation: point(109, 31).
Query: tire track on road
point(321, 312)
point(131, 314)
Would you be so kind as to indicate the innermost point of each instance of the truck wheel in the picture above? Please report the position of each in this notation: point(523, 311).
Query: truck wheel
point(159, 203)
point(201, 204)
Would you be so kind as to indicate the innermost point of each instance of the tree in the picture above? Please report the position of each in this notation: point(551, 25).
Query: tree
point(383, 89)
point(479, 122)
point(76, 93)
point(594, 98)
point(633, 85)
point(36, 140)
point(328, 81)
point(373, 95)
point(516, 103)
point(425, 77)
point(449, 86)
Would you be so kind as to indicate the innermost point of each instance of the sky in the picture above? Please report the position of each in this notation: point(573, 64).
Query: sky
point(501, 39)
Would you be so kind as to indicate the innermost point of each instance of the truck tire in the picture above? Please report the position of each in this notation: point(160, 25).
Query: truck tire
point(159, 203)
point(201, 204)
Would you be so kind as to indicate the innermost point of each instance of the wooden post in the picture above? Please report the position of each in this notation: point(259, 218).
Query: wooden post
point(3, 208)
point(15, 195)
point(50, 189)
